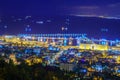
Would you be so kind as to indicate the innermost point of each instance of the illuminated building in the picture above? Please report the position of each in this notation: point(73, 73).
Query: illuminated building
point(67, 66)
point(36, 50)
point(70, 41)
point(78, 41)
point(33, 59)
point(65, 41)
point(94, 47)
point(13, 58)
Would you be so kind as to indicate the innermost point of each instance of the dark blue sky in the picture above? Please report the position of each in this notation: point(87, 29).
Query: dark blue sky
point(108, 8)
point(106, 11)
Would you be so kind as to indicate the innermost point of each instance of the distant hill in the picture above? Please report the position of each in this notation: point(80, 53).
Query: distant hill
point(94, 27)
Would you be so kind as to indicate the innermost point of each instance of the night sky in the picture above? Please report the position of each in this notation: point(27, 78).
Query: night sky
point(97, 16)
point(60, 7)
point(57, 7)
